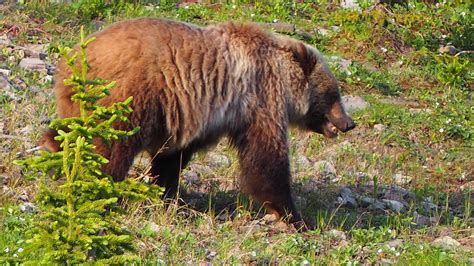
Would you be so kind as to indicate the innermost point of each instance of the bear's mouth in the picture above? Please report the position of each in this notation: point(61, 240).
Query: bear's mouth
point(329, 130)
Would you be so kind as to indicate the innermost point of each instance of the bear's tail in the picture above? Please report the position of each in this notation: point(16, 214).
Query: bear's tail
point(48, 143)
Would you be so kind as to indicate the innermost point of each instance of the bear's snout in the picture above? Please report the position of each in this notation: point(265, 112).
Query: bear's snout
point(338, 117)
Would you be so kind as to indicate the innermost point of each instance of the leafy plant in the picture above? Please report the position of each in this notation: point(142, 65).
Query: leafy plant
point(79, 219)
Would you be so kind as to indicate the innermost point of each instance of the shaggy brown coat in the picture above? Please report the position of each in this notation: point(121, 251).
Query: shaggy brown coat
point(191, 85)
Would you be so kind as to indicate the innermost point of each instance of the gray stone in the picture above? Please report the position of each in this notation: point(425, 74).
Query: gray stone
point(25, 130)
point(302, 162)
point(5, 72)
point(23, 197)
point(401, 180)
point(347, 198)
point(366, 201)
point(309, 185)
point(201, 170)
point(191, 177)
point(377, 205)
point(379, 127)
point(33, 50)
point(342, 63)
point(325, 169)
point(4, 83)
point(446, 242)
point(353, 103)
point(5, 41)
point(322, 31)
point(395, 243)
point(394, 205)
point(428, 205)
point(336, 234)
point(422, 220)
point(27, 207)
point(32, 64)
point(217, 160)
point(395, 193)
point(350, 4)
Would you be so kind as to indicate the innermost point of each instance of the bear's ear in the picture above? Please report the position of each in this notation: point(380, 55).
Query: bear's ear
point(305, 57)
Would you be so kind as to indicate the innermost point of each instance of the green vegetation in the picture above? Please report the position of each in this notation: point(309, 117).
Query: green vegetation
point(418, 123)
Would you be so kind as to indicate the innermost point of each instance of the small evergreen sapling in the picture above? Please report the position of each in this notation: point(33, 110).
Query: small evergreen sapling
point(79, 220)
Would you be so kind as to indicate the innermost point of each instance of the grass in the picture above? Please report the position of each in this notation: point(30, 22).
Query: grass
point(423, 99)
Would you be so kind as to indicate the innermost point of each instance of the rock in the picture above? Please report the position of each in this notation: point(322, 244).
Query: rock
point(32, 64)
point(34, 50)
point(377, 205)
point(394, 205)
point(25, 130)
point(350, 4)
point(23, 197)
point(303, 162)
point(304, 35)
point(322, 31)
point(27, 207)
point(191, 178)
point(379, 127)
point(422, 220)
point(5, 72)
point(353, 103)
point(366, 201)
point(401, 180)
point(217, 160)
point(5, 41)
point(211, 254)
point(448, 49)
point(5, 84)
point(325, 169)
point(4, 180)
point(336, 234)
point(428, 205)
point(395, 193)
point(342, 63)
point(395, 243)
point(50, 69)
point(310, 185)
point(446, 242)
point(201, 170)
point(347, 198)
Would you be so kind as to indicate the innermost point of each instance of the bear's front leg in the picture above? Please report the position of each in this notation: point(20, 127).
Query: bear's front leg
point(265, 168)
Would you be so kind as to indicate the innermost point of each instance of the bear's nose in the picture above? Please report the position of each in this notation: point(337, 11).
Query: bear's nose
point(350, 125)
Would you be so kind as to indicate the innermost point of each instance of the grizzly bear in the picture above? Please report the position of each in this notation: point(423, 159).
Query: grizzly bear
point(191, 85)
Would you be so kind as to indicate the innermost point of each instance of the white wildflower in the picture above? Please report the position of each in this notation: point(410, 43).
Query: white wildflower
point(441, 130)
point(448, 121)
point(252, 15)
point(20, 250)
point(384, 49)
point(275, 20)
point(6, 250)
point(397, 254)
point(379, 251)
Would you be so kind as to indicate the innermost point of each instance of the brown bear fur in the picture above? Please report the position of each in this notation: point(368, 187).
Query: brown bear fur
point(192, 85)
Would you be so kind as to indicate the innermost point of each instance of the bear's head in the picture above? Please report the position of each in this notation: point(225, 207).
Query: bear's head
point(325, 113)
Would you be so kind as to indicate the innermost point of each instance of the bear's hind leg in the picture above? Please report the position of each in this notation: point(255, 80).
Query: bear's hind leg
point(167, 169)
